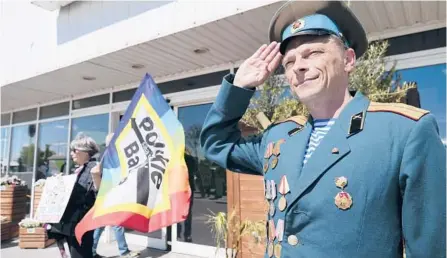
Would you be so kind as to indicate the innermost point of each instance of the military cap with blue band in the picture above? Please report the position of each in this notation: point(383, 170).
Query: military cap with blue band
point(297, 18)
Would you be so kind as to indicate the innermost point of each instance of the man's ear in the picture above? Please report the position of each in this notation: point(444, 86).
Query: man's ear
point(350, 60)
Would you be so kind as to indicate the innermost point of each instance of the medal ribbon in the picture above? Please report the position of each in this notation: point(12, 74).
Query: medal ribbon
point(273, 189)
point(284, 186)
point(280, 229)
point(272, 230)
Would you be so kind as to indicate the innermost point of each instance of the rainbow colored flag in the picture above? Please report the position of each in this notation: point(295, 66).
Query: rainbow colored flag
point(144, 183)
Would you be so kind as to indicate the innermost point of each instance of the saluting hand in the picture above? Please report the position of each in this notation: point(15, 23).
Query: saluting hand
point(255, 70)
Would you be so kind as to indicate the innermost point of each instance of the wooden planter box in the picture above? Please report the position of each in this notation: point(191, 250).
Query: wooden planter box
point(34, 238)
point(9, 230)
point(13, 202)
point(5, 230)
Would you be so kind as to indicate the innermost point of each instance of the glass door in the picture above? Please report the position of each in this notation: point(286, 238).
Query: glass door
point(157, 239)
point(208, 185)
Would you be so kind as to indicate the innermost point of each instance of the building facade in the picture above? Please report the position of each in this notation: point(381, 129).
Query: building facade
point(74, 66)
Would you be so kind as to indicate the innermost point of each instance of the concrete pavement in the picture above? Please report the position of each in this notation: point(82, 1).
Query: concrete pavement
point(12, 250)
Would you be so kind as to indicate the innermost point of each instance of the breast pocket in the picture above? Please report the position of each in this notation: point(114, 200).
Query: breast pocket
point(298, 219)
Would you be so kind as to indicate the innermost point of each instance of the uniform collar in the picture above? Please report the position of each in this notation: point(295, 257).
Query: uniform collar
point(355, 109)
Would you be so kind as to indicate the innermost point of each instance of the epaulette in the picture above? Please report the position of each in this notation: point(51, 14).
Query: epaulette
point(301, 120)
point(408, 111)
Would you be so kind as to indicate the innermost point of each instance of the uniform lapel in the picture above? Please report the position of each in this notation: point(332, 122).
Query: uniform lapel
point(322, 159)
point(332, 148)
point(295, 147)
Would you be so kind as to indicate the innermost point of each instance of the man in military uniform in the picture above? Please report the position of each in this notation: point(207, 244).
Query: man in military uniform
point(355, 178)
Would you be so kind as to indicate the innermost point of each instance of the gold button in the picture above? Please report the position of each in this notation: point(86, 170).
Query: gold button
point(292, 240)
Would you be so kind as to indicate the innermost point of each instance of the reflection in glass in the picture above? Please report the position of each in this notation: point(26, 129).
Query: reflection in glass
point(22, 148)
point(207, 180)
point(431, 81)
point(52, 148)
point(96, 126)
point(4, 143)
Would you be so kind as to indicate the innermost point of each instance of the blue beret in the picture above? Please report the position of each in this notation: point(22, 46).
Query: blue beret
point(316, 24)
point(297, 18)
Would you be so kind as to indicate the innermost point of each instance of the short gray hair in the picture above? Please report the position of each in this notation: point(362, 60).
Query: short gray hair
point(85, 143)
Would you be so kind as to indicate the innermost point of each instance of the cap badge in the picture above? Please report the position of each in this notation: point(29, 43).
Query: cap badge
point(297, 25)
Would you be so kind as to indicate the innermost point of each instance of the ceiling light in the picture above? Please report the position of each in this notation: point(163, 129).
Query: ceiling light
point(201, 50)
point(88, 78)
point(137, 66)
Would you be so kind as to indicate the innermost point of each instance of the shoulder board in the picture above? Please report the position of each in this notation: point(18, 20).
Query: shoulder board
point(301, 120)
point(408, 111)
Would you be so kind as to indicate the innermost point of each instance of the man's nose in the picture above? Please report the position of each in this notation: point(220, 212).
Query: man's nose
point(300, 66)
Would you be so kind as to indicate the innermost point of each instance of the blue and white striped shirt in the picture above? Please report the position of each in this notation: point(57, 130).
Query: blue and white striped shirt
point(320, 128)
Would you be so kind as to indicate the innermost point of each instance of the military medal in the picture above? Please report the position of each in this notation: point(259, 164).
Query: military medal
point(270, 249)
point(266, 165)
point(266, 206)
point(343, 200)
point(273, 189)
point(272, 196)
point(277, 250)
point(269, 151)
point(274, 162)
point(271, 209)
point(283, 189)
point(277, 147)
point(279, 230)
point(268, 192)
point(276, 152)
point(272, 230)
point(282, 203)
point(341, 182)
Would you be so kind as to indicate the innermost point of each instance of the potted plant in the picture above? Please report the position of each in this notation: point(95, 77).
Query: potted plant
point(229, 231)
point(13, 198)
point(33, 235)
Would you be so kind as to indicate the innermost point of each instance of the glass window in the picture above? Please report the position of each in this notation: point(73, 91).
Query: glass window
point(196, 82)
point(6, 119)
point(60, 109)
point(91, 101)
point(123, 95)
point(431, 81)
point(424, 40)
point(207, 180)
point(22, 148)
point(24, 116)
point(52, 148)
point(4, 141)
point(96, 126)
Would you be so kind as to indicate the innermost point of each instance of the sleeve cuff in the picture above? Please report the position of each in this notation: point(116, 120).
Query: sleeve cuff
point(232, 99)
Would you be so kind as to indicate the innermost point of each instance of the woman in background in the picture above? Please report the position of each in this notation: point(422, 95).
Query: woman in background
point(83, 148)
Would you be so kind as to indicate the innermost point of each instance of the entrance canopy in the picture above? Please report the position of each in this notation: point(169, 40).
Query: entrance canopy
point(212, 46)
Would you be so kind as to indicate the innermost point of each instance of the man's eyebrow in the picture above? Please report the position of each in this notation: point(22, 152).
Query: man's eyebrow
point(287, 56)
